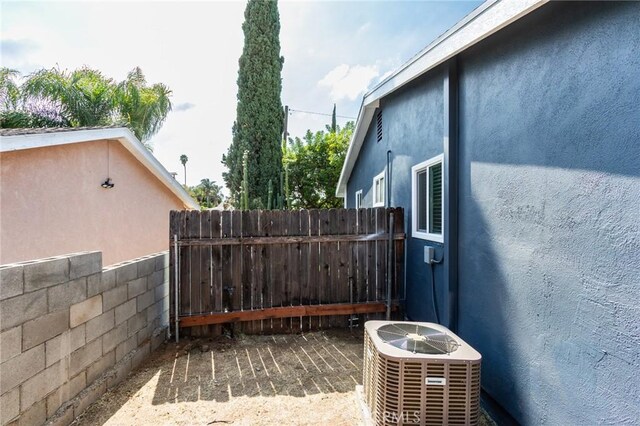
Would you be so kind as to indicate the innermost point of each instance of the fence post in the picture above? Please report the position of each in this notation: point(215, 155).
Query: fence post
point(176, 267)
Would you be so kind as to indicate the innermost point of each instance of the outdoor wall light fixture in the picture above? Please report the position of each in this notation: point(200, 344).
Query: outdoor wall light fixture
point(107, 184)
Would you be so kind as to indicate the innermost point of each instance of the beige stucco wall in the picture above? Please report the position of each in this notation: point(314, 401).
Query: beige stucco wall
point(51, 203)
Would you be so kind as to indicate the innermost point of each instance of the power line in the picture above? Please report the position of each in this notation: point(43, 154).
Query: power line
point(319, 113)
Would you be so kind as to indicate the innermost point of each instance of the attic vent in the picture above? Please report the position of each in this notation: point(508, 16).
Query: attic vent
point(379, 126)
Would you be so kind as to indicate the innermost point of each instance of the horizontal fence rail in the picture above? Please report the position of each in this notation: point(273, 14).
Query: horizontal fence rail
point(283, 269)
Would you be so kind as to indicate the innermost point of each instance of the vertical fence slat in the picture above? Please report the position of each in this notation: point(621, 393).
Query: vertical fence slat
point(314, 266)
point(226, 280)
point(381, 250)
point(215, 258)
point(236, 262)
point(294, 266)
point(304, 267)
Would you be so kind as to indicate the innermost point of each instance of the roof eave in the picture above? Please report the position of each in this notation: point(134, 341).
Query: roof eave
point(487, 19)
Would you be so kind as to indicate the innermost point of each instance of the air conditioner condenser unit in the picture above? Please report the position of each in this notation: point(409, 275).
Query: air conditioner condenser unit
point(419, 373)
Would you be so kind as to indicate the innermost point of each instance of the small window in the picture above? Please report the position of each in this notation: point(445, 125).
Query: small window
point(359, 199)
point(427, 199)
point(379, 126)
point(378, 190)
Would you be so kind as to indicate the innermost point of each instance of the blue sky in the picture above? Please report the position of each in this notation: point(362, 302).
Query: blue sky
point(334, 51)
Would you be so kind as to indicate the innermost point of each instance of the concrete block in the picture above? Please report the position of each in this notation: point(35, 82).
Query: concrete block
point(39, 386)
point(45, 273)
point(125, 347)
point(10, 343)
point(144, 334)
point(100, 325)
point(63, 418)
point(145, 300)
point(121, 371)
point(158, 293)
point(162, 260)
point(11, 281)
point(36, 415)
point(126, 272)
point(135, 323)
point(101, 282)
point(65, 392)
point(44, 328)
point(114, 337)
point(114, 297)
point(9, 406)
point(88, 397)
point(141, 354)
point(85, 356)
point(23, 308)
point(85, 264)
point(84, 311)
point(156, 279)
point(98, 368)
point(158, 338)
point(64, 295)
point(137, 287)
point(125, 311)
point(20, 368)
point(153, 311)
point(146, 266)
point(61, 346)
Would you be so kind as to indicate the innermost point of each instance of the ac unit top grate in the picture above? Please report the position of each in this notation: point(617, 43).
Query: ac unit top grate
point(417, 338)
point(409, 339)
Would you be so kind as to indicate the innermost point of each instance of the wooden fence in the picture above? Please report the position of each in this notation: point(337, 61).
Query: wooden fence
point(274, 269)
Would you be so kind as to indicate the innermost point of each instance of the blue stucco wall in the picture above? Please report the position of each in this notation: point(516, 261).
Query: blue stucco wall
point(412, 130)
point(549, 222)
point(549, 208)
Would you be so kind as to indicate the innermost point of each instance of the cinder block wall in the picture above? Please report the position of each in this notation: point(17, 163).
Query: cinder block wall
point(70, 330)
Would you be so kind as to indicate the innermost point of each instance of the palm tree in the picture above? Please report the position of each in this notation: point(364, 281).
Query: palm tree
point(211, 192)
point(144, 108)
point(183, 160)
point(84, 97)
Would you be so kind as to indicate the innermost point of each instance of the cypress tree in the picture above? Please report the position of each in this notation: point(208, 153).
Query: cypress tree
point(334, 126)
point(259, 114)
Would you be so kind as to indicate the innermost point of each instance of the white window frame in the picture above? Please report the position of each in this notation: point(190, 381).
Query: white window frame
point(376, 178)
point(424, 166)
point(358, 204)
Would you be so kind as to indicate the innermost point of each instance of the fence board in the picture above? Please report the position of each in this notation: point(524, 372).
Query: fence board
point(314, 266)
point(282, 264)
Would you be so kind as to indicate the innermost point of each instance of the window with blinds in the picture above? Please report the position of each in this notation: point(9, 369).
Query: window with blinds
point(427, 187)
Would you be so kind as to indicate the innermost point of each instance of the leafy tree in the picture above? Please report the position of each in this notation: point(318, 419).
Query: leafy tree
point(84, 97)
point(259, 114)
point(207, 193)
point(183, 160)
point(313, 166)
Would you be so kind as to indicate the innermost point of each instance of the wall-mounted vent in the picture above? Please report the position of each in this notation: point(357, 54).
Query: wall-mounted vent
point(379, 126)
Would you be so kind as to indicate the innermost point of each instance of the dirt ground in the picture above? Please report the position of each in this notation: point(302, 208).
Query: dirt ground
point(304, 379)
point(253, 380)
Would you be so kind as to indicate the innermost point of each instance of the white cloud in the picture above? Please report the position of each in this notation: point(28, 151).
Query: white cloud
point(348, 82)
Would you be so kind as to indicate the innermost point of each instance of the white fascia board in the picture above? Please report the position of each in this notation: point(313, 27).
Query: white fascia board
point(487, 19)
point(357, 139)
point(121, 134)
